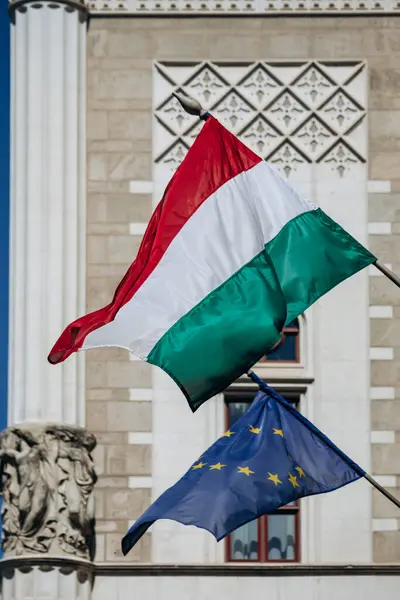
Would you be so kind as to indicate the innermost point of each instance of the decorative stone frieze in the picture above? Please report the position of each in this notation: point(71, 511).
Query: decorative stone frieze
point(254, 7)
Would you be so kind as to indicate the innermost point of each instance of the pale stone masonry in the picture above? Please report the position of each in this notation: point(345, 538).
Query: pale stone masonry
point(384, 153)
point(120, 62)
point(113, 160)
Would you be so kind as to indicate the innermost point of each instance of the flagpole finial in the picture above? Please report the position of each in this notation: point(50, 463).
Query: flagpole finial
point(191, 105)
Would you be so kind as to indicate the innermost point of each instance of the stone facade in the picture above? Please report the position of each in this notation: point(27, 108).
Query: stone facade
point(384, 215)
point(114, 415)
point(121, 53)
point(115, 384)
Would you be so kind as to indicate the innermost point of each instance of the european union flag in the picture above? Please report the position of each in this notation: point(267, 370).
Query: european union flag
point(271, 457)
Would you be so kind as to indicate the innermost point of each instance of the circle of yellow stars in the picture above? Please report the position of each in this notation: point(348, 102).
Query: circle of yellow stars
point(245, 470)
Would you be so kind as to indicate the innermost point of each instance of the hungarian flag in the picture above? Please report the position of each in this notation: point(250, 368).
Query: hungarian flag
point(231, 254)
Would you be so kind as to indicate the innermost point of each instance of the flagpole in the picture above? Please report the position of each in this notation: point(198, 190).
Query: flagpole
point(265, 387)
point(193, 107)
point(387, 272)
point(382, 490)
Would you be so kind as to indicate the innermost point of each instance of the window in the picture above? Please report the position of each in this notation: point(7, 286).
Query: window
point(274, 537)
point(288, 350)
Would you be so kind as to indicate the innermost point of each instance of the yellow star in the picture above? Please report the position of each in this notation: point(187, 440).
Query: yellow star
point(228, 433)
point(274, 478)
point(300, 471)
point(246, 471)
point(293, 480)
point(277, 431)
point(199, 466)
point(217, 467)
point(254, 429)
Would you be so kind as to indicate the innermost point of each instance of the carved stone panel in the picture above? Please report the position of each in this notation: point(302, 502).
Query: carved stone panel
point(294, 115)
point(47, 480)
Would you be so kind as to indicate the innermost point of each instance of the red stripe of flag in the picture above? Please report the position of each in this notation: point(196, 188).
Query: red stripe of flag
point(215, 157)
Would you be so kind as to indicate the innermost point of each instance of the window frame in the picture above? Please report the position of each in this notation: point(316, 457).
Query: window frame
point(246, 394)
point(292, 331)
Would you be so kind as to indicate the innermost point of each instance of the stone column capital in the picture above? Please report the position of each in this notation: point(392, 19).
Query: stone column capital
point(48, 477)
point(69, 5)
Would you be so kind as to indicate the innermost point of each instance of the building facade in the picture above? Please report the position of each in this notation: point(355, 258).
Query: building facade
point(314, 88)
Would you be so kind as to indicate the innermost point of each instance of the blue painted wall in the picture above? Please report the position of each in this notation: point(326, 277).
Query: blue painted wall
point(4, 202)
point(4, 207)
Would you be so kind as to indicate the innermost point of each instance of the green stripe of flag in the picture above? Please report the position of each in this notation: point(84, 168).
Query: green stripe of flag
point(234, 326)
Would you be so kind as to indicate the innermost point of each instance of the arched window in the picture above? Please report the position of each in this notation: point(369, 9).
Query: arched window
point(289, 350)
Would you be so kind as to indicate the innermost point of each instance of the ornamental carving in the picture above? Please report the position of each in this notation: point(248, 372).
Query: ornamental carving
point(47, 480)
point(292, 114)
point(254, 7)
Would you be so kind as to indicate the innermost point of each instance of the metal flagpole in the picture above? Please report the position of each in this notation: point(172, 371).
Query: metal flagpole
point(265, 387)
point(382, 490)
point(193, 107)
point(387, 272)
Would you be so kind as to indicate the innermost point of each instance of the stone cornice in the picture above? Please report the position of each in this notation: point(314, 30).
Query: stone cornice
point(267, 8)
point(242, 570)
point(230, 570)
point(209, 8)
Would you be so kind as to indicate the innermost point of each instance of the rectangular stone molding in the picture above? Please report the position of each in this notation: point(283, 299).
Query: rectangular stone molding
point(308, 120)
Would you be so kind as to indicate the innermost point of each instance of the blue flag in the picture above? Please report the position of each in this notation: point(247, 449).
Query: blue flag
point(269, 458)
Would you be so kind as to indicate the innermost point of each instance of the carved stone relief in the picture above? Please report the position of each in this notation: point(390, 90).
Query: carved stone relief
point(47, 480)
point(292, 114)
